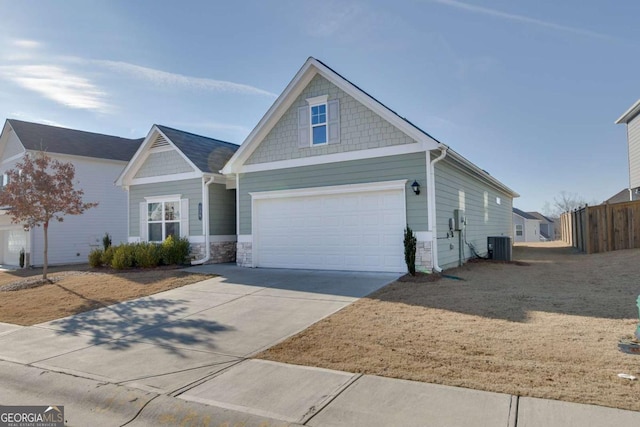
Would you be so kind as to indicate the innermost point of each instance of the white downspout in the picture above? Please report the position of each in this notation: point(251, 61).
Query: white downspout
point(432, 206)
point(205, 222)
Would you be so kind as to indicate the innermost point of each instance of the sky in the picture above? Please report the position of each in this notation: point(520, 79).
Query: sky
point(528, 91)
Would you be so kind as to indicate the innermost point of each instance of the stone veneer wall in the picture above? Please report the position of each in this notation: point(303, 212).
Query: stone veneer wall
point(243, 255)
point(423, 256)
point(220, 252)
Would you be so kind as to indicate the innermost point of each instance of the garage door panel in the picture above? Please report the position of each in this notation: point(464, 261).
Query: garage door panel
point(339, 231)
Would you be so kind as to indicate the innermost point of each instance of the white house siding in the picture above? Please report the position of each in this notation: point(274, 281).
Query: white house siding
point(187, 189)
point(519, 221)
point(633, 137)
point(456, 189)
point(163, 163)
point(71, 240)
point(360, 128)
point(13, 146)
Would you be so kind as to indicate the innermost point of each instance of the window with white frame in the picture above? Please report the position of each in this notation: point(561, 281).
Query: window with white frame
point(163, 220)
point(318, 124)
point(518, 229)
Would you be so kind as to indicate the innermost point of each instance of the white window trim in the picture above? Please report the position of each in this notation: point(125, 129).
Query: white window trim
point(170, 198)
point(314, 102)
point(521, 230)
point(163, 199)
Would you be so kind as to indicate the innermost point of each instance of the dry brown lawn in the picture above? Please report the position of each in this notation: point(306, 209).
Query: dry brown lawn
point(548, 329)
point(78, 289)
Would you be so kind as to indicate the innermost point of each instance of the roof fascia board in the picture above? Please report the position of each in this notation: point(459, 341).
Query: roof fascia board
point(629, 114)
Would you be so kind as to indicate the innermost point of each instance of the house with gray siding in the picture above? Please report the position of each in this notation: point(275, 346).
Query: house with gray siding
point(547, 226)
point(330, 177)
point(175, 188)
point(98, 160)
point(631, 118)
point(526, 227)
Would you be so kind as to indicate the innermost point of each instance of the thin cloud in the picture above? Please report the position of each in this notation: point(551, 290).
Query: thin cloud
point(26, 44)
point(164, 78)
point(57, 84)
point(520, 18)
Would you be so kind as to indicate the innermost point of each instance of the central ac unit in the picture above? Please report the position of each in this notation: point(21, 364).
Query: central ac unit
point(499, 248)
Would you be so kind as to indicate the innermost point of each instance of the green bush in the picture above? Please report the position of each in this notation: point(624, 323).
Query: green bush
point(123, 257)
point(147, 255)
point(107, 255)
point(95, 258)
point(410, 244)
point(175, 251)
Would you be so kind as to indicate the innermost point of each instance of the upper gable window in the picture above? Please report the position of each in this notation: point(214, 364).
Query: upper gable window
point(318, 124)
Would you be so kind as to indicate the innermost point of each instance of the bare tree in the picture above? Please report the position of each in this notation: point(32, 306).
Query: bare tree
point(564, 202)
point(39, 190)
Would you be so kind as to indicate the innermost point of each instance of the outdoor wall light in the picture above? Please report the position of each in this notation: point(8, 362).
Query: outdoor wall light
point(25, 227)
point(415, 187)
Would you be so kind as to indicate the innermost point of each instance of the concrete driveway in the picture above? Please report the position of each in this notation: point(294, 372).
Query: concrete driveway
point(168, 341)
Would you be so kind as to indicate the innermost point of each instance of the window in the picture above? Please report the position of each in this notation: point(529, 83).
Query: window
point(5, 179)
point(318, 124)
point(518, 230)
point(163, 220)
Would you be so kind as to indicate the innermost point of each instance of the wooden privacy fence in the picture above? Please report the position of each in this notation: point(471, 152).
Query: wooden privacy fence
point(602, 228)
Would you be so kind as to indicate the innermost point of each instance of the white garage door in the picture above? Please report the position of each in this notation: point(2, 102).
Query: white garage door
point(359, 231)
point(13, 241)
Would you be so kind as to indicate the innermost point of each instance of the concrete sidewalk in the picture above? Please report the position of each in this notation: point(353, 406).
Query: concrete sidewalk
point(182, 357)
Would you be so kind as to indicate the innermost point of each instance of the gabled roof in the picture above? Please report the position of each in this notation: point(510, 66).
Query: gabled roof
point(302, 78)
point(524, 215)
point(629, 114)
point(207, 154)
point(538, 215)
point(53, 139)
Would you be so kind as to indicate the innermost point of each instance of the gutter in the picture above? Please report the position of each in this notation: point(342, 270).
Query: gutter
point(205, 222)
point(432, 206)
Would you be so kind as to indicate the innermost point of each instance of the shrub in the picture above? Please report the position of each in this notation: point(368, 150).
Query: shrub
point(175, 251)
point(147, 255)
point(107, 255)
point(106, 241)
point(95, 258)
point(123, 257)
point(21, 258)
point(410, 250)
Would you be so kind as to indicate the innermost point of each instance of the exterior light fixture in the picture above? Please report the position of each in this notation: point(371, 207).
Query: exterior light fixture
point(415, 187)
point(25, 227)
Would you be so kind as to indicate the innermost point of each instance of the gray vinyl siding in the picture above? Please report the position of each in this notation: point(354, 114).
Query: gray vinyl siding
point(456, 189)
point(360, 128)
point(187, 189)
point(222, 210)
point(407, 166)
point(633, 136)
point(163, 163)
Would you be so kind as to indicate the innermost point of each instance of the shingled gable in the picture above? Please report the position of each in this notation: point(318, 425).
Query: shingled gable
point(205, 155)
point(53, 139)
point(303, 77)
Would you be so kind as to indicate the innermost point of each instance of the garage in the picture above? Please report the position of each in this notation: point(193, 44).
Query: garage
point(13, 241)
point(349, 227)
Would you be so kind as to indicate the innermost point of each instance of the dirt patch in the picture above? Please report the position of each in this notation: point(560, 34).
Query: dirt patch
point(549, 329)
point(76, 289)
point(420, 277)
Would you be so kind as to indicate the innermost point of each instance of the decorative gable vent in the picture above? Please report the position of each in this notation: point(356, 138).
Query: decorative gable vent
point(160, 142)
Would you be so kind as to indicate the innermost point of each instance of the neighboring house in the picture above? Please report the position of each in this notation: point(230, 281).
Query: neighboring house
point(326, 181)
point(624, 195)
point(526, 227)
point(547, 226)
point(175, 188)
point(98, 160)
point(631, 118)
